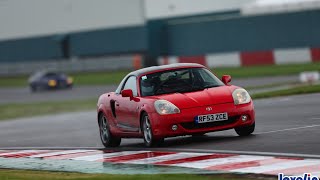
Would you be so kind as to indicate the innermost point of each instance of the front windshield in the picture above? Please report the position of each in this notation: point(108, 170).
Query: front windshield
point(178, 80)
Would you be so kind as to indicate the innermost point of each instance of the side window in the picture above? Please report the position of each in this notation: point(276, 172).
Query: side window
point(131, 83)
point(50, 75)
point(185, 74)
point(204, 76)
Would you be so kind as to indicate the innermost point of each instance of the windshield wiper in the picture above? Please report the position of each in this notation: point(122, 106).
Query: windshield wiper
point(210, 86)
point(189, 90)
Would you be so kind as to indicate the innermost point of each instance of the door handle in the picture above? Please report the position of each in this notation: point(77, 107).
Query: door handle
point(117, 104)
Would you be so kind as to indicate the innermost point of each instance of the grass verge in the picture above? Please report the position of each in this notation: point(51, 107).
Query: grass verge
point(104, 78)
point(10, 111)
point(16, 110)
point(39, 175)
point(305, 89)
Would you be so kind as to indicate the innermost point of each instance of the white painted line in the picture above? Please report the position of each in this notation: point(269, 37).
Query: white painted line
point(277, 166)
point(57, 153)
point(220, 161)
point(160, 61)
point(262, 153)
point(313, 174)
point(158, 159)
point(315, 118)
point(231, 59)
point(245, 153)
point(48, 148)
point(19, 152)
point(103, 155)
point(285, 99)
point(289, 129)
point(2, 151)
point(293, 55)
point(173, 59)
point(271, 101)
point(170, 60)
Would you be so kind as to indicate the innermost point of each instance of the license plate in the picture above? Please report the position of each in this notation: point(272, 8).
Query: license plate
point(211, 117)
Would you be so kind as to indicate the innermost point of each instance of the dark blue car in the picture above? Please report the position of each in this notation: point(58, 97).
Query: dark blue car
point(45, 80)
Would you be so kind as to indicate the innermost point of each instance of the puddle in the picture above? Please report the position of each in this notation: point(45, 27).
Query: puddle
point(93, 167)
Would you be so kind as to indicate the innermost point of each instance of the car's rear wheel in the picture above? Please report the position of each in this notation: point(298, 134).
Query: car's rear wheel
point(148, 137)
point(107, 139)
point(245, 130)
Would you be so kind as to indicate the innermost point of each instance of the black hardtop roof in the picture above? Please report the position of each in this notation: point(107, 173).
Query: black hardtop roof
point(164, 67)
point(147, 70)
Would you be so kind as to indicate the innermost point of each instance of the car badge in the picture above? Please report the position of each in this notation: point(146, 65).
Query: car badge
point(209, 108)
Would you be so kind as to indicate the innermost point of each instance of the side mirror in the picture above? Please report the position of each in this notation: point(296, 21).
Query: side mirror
point(127, 93)
point(226, 79)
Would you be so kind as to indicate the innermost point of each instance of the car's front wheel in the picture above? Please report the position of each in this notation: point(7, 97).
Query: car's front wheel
point(245, 130)
point(33, 88)
point(148, 137)
point(107, 139)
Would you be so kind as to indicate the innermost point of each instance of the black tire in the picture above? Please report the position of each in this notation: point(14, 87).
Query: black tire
point(36, 88)
point(245, 130)
point(107, 139)
point(33, 89)
point(146, 128)
point(198, 135)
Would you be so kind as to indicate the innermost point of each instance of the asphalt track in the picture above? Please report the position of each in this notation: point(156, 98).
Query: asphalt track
point(23, 95)
point(284, 125)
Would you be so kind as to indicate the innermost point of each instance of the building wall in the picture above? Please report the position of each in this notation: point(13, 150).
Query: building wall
point(109, 41)
point(194, 36)
point(155, 9)
point(21, 19)
point(66, 31)
point(45, 29)
point(35, 49)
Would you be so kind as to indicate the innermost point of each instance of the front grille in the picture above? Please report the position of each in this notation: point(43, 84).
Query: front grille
point(193, 125)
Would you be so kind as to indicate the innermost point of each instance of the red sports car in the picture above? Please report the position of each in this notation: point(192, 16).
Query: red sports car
point(173, 100)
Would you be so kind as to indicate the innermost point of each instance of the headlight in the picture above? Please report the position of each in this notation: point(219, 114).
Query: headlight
point(241, 96)
point(52, 83)
point(165, 107)
point(69, 80)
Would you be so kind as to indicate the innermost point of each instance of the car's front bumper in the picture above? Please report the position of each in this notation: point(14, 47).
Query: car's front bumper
point(162, 124)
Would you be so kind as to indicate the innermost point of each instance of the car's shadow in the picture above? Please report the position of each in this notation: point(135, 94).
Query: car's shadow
point(199, 140)
point(194, 142)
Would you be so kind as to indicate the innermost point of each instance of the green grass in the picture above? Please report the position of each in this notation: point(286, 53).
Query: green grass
point(99, 78)
point(105, 78)
point(16, 110)
point(13, 81)
point(40, 175)
point(305, 89)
